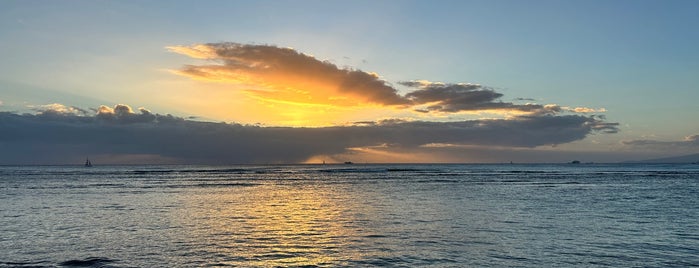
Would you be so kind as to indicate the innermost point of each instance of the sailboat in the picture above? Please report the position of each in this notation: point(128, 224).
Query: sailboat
point(88, 163)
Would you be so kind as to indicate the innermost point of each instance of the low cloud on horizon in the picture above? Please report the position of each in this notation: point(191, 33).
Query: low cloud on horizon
point(687, 145)
point(58, 134)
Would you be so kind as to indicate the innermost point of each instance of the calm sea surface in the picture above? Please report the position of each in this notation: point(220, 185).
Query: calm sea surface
point(350, 216)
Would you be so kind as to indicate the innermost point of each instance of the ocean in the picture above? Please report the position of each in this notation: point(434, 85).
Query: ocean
point(508, 215)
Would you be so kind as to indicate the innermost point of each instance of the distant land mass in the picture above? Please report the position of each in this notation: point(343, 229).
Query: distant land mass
point(692, 158)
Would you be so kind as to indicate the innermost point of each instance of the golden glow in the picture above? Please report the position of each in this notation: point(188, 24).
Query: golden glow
point(252, 104)
point(197, 51)
point(384, 154)
point(275, 225)
point(248, 101)
point(216, 74)
point(268, 101)
point(282, 87)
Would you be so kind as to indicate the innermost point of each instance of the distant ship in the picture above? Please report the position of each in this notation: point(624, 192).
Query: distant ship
point(88, 163)
point(348, 163)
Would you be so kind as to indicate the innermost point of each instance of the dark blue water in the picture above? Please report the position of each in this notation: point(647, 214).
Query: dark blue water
point(350, 216)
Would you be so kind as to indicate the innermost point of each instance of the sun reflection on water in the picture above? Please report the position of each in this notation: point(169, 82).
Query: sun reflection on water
point(270, 226)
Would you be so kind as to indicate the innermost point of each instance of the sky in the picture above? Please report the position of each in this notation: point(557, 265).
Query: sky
point(267, 82)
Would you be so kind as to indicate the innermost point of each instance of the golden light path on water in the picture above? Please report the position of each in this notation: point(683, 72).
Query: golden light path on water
point(272, 225)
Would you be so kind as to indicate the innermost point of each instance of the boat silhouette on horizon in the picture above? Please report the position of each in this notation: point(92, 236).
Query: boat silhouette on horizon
point(88, 163)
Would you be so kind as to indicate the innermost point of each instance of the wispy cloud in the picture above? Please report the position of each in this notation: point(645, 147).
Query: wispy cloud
point(57, 108)
point(525, 99)
point(586, 110)
point(463, 97)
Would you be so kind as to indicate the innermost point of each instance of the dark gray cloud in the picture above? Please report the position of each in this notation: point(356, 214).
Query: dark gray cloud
point(525, 99)
point(49, 137)
point(450, 98)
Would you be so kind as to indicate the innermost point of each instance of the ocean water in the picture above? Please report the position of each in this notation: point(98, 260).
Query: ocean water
point(350, 216)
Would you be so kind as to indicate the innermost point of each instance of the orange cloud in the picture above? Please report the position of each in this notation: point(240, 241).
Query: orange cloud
point(283, 74)
point(195, 51)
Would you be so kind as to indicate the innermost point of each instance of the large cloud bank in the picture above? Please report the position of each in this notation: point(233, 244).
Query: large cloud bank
point(60, 134)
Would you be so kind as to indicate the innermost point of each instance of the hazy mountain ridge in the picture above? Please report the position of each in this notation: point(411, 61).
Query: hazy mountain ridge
point(691, 158)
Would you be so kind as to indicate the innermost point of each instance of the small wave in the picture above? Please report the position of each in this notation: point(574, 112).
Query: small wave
point(375, 236)
point(96, 262)
point(375, 170)
point(223, 170)
point(142, 172)
point(216, 185)
point(188, 171)
point(403, 169)
point(402, 261)
point(437, 181)
point(276, 255)
point(528, 172)
point(31, 264)
point(353, 170)
point(117, 207)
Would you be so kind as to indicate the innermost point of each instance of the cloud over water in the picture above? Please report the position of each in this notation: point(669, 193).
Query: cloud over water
point(62, 134)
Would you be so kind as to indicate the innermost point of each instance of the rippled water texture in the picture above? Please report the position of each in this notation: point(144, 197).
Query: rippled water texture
point(350, 215)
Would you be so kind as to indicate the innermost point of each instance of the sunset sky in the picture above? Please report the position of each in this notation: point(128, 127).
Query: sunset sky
point(228, 82)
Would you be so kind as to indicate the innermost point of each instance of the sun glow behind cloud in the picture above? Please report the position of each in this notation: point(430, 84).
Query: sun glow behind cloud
point(290, 88)
point(295, 108)
point(284, 87)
